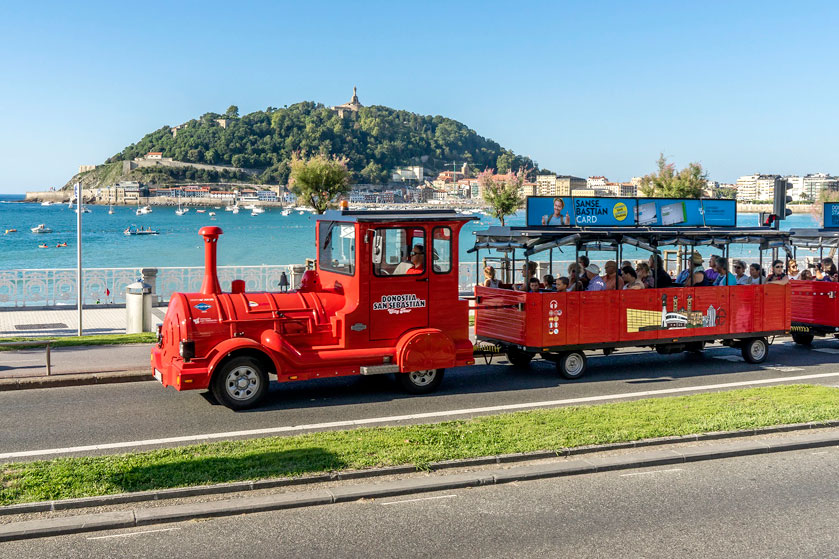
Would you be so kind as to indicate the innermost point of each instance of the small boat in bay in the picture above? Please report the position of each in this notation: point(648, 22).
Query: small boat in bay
point(41, 229)
point(133, 230)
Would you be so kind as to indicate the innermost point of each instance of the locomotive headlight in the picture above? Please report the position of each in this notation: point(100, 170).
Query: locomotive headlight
point(187, 349)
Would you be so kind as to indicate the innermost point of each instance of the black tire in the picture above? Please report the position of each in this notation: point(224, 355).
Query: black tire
point(240, 383)
point(421, 382)
point(755, 350)
point(802, 338)
point(519, 358)
point(571, 365)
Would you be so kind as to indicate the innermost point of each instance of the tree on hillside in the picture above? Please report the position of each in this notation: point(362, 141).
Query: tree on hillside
point(502, 194)
point(505, 162)
point(232, 112)
point(319, 179)
point(669, 183)
point(373, 173)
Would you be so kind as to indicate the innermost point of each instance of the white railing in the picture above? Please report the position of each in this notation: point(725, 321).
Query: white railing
point(106, 286)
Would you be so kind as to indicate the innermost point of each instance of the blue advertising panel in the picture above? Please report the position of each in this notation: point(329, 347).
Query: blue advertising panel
point(549, 211)
point(720, 213)
point(604, 212)
point(831, 215)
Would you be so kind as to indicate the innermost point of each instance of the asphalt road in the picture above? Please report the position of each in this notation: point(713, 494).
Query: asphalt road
point(59, 418)
point(773, 505)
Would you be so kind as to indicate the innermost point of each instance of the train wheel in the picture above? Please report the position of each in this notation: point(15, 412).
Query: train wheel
point(519, 358)
point(755, 350)
point(571, 365)
point(240, 383)
point(802, 338)
point(421, 382)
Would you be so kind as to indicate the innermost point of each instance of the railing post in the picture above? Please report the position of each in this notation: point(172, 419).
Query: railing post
point(150, 278)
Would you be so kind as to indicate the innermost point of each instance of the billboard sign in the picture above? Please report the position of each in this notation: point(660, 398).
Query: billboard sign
point(548, 211)
point(831, 215)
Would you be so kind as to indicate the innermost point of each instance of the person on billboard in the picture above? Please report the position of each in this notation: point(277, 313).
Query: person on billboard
point(560, 215)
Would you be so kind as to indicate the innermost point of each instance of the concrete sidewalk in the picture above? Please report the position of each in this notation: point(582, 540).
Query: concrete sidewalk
point(64, 322)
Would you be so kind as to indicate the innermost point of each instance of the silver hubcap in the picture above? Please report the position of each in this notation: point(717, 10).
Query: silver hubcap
point(422, 378)
point(573, 364)
point(242, 383)
point(758, 350)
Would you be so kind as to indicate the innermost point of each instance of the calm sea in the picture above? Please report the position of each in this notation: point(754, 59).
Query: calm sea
point(270, 238)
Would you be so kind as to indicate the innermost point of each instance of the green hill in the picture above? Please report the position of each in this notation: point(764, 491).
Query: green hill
point(374, 140)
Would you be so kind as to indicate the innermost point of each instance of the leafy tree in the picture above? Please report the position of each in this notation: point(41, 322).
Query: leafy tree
point(373, 173)
point(318, 180)
point(503, 195)
point(232, 112)
point(504, 162)
point(669, 183)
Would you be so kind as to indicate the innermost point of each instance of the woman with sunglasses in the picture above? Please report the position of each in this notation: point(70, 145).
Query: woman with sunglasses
point(778, 276)
point(740, 272)
point(792, 270)
point(417, 260)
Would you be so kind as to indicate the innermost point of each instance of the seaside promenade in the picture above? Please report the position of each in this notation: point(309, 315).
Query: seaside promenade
point(64, 322)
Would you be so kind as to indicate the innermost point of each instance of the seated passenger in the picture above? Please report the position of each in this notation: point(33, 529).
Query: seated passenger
point(695, 262)
point(611, 278)
point(563, 284)
point(595, 282)
point(740, 272)
point(778, 275)
point(711, 273)
point(549, 283)
point(417, 260)
point(755, 275)
point(630, 279)
point(489, 277)
point(806, 275)
point(829, 272)
point(643, 271)
point(575, 274)
point(792, 269)
point(724, 277)
point(662, 278)
point(533, 286)
point(528, 272)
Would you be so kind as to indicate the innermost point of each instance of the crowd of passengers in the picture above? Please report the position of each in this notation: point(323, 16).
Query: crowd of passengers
point(584, 275)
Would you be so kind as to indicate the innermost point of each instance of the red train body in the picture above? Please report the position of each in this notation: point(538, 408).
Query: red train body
point(815, 310)
point(364, 310)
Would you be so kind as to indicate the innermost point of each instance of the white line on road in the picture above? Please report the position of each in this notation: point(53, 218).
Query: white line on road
point(410, 417)
point(831, 350)
point(420, 499)
point(132, 534)
point(652, 472)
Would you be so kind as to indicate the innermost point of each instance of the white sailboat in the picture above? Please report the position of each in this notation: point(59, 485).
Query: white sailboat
point(180, 211)
point(285, 212)
point(111, 209)
point(256, 210)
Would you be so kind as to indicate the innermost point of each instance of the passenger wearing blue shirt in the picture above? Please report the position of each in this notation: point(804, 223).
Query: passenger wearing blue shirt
point(724, 274)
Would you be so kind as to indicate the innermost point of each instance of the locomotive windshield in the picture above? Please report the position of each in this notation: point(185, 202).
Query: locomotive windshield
point(337, 247)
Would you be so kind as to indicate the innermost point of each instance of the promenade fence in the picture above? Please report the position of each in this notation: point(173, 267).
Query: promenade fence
point(38, 288)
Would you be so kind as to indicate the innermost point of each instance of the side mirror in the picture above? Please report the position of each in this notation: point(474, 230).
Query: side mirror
point(377, 248)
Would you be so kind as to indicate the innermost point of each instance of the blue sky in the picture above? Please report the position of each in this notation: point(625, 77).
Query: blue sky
point(586, 88)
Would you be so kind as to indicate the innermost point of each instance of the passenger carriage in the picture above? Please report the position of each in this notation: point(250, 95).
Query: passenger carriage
point(560, 327)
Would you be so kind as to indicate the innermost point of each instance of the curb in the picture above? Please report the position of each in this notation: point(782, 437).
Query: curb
point(174, 513)
point(75, 379)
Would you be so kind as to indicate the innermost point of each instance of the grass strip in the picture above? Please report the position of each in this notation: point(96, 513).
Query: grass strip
point(418, 445)
point(104, 339)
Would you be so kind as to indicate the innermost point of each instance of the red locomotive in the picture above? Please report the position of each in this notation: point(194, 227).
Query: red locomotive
point(815, 304)
point(383, 299)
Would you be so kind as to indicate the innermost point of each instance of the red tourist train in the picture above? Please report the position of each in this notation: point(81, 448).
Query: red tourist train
point(384, 298)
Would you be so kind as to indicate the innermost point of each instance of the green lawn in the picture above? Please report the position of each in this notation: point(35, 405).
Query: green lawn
point(109, 339)
point(418, 445)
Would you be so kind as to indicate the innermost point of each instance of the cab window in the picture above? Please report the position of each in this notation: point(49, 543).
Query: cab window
point(442, 253)
point(336, 252)
point(399, 252)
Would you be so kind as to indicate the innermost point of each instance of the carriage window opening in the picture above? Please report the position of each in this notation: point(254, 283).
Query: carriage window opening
point(403, 252)
point(442, 253)
point(337, 247)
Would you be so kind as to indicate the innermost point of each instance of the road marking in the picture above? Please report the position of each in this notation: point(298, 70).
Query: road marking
point(732, 358)
point(132, 534)
point(410, 417)
point(782, 368)
point(653, 472)
point(830, 350)
point(420, 499)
